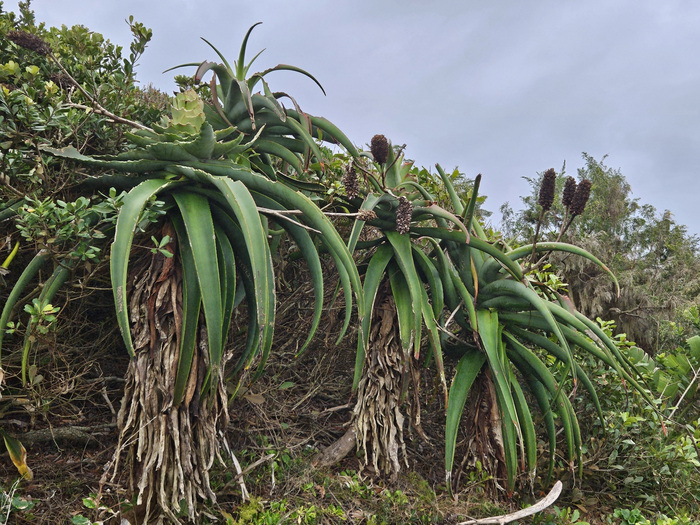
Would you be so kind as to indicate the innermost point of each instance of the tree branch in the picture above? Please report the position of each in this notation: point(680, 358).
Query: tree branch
point(507, 518)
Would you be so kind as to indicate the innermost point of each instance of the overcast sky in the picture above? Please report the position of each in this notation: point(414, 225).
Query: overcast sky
point(506, 88)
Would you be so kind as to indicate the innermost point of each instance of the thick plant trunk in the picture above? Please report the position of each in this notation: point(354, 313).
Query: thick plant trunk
point(170, 450)
point(377, 416)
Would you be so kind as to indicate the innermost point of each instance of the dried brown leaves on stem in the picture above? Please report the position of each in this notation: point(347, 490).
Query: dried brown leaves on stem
point(157, 435)
point(377, 416)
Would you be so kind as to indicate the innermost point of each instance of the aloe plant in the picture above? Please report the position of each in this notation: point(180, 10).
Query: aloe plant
point(174, 313)
point(478, 302)
point(511, 317)
point(403, 293)
point(287, 134)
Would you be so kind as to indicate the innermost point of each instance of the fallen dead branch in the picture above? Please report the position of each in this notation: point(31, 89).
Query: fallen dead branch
point(337, 451)
point(65, 435)
point(507, 518)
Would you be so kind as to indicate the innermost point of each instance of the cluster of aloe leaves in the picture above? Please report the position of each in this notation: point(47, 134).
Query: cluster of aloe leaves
point(218, 203)
point(444, 269)
point(214, 204)
point(281, 133)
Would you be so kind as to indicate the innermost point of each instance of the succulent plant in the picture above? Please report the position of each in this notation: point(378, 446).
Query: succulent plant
point(287, 134)
point(216, 230)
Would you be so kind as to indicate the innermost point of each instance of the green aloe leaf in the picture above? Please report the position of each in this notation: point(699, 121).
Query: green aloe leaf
point(511, 432)
point(128, 166)
point(243, 206)
point(246, 273)
point(311, 216)
point(127, 222)
point(456, 201)
point(423, 192)
point(491, 268)
point(609, 354)
point(433, 338)
point(490, 335)
point(191, 304)
point(168, 151)
point(29, 272)
point(270, 100)
point(304, 135)
point(540, 394)
point(404, 258)
point(507, 302)
point(273, 148)
point(345, 282)
point(476, 243)
point(436, 211)
point(445, 272)
point(471, 206)
point(405, 310)
point(53, 284)
point(371, 200)
point(467, 301)
point(227, 277)
point(529, 364)
point(240, 65)
point(196, 215)
point(328, 132)
point(203, 146)
point(559, 353)
point(519, 290)
point(373, 278)
point(536, 321)
point(527, 426)
point(285, 67)
point(467, 369)
point(432, 276)
point(310, 187)
point(309, 251)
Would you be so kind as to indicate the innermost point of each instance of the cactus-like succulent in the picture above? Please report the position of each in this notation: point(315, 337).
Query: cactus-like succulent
point(188, 113)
